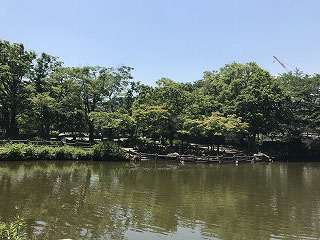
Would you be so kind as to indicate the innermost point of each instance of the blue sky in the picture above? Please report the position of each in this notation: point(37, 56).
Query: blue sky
point(179, 39)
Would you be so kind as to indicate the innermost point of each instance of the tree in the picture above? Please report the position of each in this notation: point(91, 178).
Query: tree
point(113, 124)
point(40, 75)
point(69, 111)
point(304, 92)
point(15, 63)
point(251, 93)
point(40, 110)
point(210, 127)
point(99, 85)
point(153, 121)
point(40, 116)
point(218, 125)
point(173, 98)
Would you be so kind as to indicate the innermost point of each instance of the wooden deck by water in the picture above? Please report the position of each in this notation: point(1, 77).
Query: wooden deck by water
point(260, 157)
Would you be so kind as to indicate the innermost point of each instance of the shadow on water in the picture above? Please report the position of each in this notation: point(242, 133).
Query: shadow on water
point(153, 200)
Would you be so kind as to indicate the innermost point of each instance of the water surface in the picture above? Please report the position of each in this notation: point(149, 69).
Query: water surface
point(161, 200)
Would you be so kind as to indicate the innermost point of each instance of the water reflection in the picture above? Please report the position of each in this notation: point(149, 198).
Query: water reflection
point(162, 200)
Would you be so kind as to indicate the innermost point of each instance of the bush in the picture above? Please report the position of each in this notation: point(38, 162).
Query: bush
point(108, 151)
point(64, 153)
point(44, 153)
point(82, 154)
point(15, 151)
point(30, 152)
point(102, 151)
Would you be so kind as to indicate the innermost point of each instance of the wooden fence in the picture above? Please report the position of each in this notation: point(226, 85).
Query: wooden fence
point(50, 143)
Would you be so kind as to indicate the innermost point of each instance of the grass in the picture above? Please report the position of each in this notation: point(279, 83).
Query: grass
point(13, 230)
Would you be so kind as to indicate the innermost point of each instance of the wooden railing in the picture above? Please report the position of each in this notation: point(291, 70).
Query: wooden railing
point(50, 143)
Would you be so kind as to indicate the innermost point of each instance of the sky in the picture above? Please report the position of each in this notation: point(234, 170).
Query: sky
point(177, 39)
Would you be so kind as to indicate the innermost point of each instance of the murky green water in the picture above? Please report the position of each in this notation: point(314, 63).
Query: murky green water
point(163, 200)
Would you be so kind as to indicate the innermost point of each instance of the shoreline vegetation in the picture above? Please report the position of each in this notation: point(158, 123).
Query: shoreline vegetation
point(241, 105)
point(104, 151)
point(112, 151)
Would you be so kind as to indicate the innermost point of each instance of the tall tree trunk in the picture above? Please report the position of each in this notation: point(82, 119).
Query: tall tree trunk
point(46, 131)
point(5, 120)
point(13, 129)
point(251, 142)
point(91, 132)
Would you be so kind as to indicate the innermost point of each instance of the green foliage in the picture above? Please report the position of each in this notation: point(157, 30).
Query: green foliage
point(64, 153)
point(30, 152)
point(16, 152)
point(304, 108)
point(15, 63)
point(216, 124)
point(110, 123)
point(251, 93)
point(108, 151)
point(44, 153)
point(153, 121)
point(13, 230)
point(97, 85)
point(39, 96)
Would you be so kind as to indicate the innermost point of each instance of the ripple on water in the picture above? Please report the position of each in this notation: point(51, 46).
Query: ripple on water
point(164, 201)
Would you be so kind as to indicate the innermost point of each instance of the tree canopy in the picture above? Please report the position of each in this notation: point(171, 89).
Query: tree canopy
point(40, 97)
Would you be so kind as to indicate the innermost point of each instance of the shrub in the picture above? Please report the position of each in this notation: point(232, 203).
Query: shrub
point(15, 151)
point(108, 151)
point(102, 151)
point(82, 154)
point(64, 153)
point(30, 152)
point(44, 153)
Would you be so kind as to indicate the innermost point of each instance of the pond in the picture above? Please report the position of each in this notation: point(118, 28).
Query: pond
point(162, 200)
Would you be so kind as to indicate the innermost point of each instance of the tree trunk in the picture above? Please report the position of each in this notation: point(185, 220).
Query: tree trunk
point(5, 120)
point(251, 142)
point(13, 130)
point(91, 132)
point(162, 140)
point(47, 130)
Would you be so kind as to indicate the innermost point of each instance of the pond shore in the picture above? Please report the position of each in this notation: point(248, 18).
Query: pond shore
point(23, 150)
point(111, 152)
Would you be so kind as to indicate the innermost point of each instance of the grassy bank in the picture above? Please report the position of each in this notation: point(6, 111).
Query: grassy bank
point(104, 151)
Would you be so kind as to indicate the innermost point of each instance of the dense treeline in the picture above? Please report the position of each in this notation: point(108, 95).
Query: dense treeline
point(40, 97)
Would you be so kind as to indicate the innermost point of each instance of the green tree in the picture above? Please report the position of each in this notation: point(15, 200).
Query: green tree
point(40, 75)
point(69, 110)
point(99, 85)
point(40, 109)
point(153, 121)
point(15, 64)
point(213, 126)
point(304, 92)
point(40, 116)
point(172, 97)
point(218, 125)
point(252, 94)
point(113, 124)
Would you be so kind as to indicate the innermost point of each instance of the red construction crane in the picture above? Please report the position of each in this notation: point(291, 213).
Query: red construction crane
point(284, 66)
